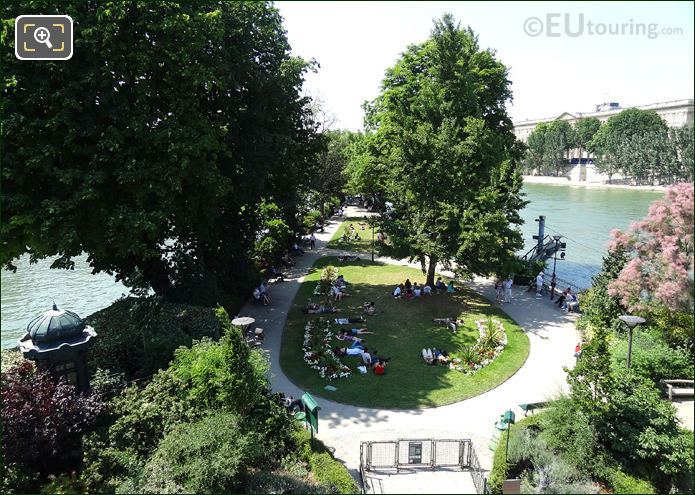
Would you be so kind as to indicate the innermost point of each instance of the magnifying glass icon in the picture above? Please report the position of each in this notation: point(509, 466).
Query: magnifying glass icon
point(43, 35)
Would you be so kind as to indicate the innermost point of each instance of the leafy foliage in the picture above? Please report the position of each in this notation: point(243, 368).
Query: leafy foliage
point(441, 148)
point(548, 146)
point(138, 336)
point(599, 308)
point(663, 249)
point(275, 237)
point(208, 456)
point(42, 421)
point(652, 357)
point(159, 146)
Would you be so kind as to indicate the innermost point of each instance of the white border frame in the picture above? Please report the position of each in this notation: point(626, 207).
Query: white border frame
point(72, 34)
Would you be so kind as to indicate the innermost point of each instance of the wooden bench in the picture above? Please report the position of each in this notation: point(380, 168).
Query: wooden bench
point(679, 388)
point(532, 406)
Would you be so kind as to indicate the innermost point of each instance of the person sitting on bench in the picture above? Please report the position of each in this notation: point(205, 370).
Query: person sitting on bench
point(260, 296)
point(297, 250)
point(287, 260)
point(571, 303)
point(561, 300)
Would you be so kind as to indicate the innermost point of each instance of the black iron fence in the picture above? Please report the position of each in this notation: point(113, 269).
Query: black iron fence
point(420, 452)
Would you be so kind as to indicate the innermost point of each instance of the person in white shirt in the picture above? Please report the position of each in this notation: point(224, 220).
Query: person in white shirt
point(337, 293)
point(312, 241)
point(507, 284)
point(427, 290)
point(539, 284)
point(397, 292)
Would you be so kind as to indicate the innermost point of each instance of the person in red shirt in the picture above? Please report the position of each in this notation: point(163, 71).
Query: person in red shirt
point(379, 367)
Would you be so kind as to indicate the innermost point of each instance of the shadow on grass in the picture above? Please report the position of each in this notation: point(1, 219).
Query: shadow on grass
point(401, 329)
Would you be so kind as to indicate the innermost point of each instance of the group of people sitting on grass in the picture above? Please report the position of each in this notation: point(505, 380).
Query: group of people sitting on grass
point(568, 301)
point(260, 294)
point(369, 358)
point(350, 234)
point(408, 290)
point(434, 356)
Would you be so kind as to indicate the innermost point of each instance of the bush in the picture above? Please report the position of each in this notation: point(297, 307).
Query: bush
point(43, 420)
point(279, 482)
point(138, 336)
point(12, 358)
point(567, 428)
point(310, 220)
point(621, 482)
point(331, 473)
point(652, 357)
point(641, 431)
point(208, 456)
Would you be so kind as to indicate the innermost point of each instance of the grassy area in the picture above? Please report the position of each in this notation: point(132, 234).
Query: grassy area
point(401, 329)
point(364, 245)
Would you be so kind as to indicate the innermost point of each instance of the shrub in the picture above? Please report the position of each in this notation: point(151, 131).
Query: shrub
point(15, 479)
point(500, 469)
point(208, 456)
point(652, 357)
point(329, 472)
point(567, 428)
point(310, 220)
point(12, 358)
point(138, 336)
point(43, 420)
point(642, 431)
point(622, 482)
point(279, 482)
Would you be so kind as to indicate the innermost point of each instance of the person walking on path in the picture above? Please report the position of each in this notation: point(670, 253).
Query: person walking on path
point(312, 242)
point(499, 291)
point(539, 284)
point(507, 285)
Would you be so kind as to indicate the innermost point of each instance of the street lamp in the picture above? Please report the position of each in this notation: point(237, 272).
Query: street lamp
point(631, 322)
point(558, 246)
point(372, 241)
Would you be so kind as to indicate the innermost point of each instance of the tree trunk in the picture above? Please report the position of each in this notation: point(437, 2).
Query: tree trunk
point(155, 273)
point(431, 271)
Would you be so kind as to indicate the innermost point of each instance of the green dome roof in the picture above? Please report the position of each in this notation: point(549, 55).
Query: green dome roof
point(55, 325)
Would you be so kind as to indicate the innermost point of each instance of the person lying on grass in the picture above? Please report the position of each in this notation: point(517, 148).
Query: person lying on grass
point(344, 335)
point(434, 356)
point(317, 309)
point(370, 356)
point(357, 331)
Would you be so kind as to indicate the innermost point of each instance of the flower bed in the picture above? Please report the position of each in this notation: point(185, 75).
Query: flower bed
point(318, 354)
point(491, 342)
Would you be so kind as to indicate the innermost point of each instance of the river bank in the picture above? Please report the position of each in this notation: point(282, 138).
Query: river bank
point(564, 181)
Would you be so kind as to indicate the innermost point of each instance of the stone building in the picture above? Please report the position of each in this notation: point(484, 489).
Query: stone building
point(675, 113)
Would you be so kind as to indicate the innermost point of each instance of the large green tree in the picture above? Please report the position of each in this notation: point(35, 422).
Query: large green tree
point(447, 154)
point(619, 142)
point(584, 131)
point(151, 149)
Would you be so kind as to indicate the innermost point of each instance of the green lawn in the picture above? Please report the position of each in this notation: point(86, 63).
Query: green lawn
point(364, 245)
point(402, 328)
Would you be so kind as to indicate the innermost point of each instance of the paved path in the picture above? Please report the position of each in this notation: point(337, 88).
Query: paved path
point(343, 427)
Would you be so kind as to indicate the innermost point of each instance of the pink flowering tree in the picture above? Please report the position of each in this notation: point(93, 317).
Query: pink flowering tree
point(661, 269)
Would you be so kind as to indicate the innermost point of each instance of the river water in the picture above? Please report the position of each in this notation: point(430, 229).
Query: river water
point(584, 215)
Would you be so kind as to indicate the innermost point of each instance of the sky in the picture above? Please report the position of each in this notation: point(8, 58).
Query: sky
point(562, 56)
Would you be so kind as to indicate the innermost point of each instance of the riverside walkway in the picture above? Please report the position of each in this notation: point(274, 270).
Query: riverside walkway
point(342, 427)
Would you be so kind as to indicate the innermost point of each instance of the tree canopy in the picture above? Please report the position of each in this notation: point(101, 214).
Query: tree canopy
point(440, 147)
point(153, 147)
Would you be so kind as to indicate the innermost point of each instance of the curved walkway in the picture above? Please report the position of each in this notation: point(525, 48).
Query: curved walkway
point(342, 427)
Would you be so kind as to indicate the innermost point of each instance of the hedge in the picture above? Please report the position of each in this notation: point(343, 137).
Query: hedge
point(499, 467)
point(324, 467)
